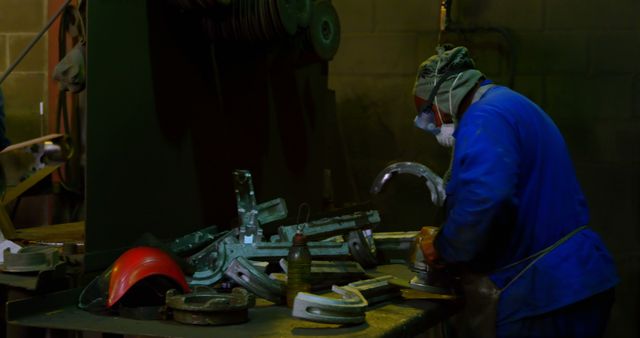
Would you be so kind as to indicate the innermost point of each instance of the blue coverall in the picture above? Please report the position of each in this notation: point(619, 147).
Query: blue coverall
point(513, 192)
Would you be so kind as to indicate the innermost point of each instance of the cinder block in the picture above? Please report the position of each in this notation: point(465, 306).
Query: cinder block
point(572, 14)
point(427, 43)
point(580, 137)
point(616, 15)
point(624, 319)
point(615, 52)
point(3, 53)
point(514, 15)
point(356, 16)
point(36, 59)
point(592, 15)
point(381, 89)
point(635, 104)
point(406, 15)
point(617, 141)
point(23, 93)
point(21, 16)
point(531, 87)
point(380, 54)
point(551, 52)
point(612, 195)
point(588, 99)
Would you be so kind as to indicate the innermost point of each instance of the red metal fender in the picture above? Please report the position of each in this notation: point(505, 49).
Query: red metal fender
point(138, 263)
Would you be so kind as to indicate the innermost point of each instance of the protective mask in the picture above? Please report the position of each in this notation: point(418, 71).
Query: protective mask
point(445, 136)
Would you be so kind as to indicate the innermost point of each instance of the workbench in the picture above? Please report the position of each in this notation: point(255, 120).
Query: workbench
point(406, 317)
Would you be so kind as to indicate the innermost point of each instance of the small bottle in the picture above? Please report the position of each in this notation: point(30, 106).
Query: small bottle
point(298, 267)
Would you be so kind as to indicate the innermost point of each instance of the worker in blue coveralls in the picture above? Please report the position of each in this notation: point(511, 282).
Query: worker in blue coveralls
point(516, 227)
point(4, 141)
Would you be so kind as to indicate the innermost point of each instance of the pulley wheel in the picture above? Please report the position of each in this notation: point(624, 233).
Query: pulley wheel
point(288, 15)
point(324, 29)
point(303, 11)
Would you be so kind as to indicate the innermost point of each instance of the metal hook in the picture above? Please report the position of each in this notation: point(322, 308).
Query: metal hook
point(300, 226)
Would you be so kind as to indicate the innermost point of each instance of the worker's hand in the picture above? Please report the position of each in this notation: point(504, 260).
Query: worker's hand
point(426, 237)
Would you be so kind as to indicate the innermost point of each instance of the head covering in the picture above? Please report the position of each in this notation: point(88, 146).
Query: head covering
point(454, 71)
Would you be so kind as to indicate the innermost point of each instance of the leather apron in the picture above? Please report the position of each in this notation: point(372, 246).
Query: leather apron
point(477, 318)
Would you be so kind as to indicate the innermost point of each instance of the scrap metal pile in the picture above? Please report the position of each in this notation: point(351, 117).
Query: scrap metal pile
point(230, 268)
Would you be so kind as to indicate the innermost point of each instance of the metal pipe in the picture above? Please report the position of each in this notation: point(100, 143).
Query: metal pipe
point(33, 42)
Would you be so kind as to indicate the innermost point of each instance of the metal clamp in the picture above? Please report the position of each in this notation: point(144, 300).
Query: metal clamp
point(348, 310)
point(244, 273)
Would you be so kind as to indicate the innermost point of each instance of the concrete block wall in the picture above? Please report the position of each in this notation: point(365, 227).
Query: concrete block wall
point(576, 58)
point(26, 87)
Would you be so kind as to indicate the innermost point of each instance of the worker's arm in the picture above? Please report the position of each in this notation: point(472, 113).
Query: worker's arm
point(486, 161)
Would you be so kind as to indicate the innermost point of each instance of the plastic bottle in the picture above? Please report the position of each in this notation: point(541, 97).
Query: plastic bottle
point(298, 267)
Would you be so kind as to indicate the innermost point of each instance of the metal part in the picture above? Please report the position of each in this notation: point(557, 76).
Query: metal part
point(394, 247)
point(30, 259)
point(256, 20)
point(303, 12)
point(244, 273)
point(6, 244)
point(324, 274)
point(215, 259)
point(207, 307)
point(427, 278)
point(377, 290)
point(272, 211)
point(193, 240)
point(324, 30)
point(331, 226)
point(433, 181)
point(288, 14)
point(348, 310)
point(142, 312)
point(362, 247)
point(269, 211)
point(250, 231)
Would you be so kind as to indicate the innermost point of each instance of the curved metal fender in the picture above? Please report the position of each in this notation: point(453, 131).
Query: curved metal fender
point(434, 182)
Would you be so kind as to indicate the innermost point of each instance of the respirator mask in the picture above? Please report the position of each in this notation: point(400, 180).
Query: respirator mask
point(432, 121)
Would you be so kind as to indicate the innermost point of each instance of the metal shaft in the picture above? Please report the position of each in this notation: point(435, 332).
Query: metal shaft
point(33, 42)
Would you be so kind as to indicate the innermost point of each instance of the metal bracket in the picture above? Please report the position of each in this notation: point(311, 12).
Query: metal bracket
point(377, 290)
point(331, 226)
point(248, 276)
point(348, 310)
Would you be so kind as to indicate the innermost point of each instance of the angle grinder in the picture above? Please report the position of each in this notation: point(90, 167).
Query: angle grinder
point(428, 279)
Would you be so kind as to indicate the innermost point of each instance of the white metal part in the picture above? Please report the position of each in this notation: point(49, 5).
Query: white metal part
point(433, 181)
point(6, 244)
point(30, 259)
point(243, 272)
point(348, 310)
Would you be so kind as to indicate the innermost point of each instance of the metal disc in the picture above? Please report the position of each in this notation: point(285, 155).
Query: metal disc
point(324, 30)
point(303, 12)
point(288, 15)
